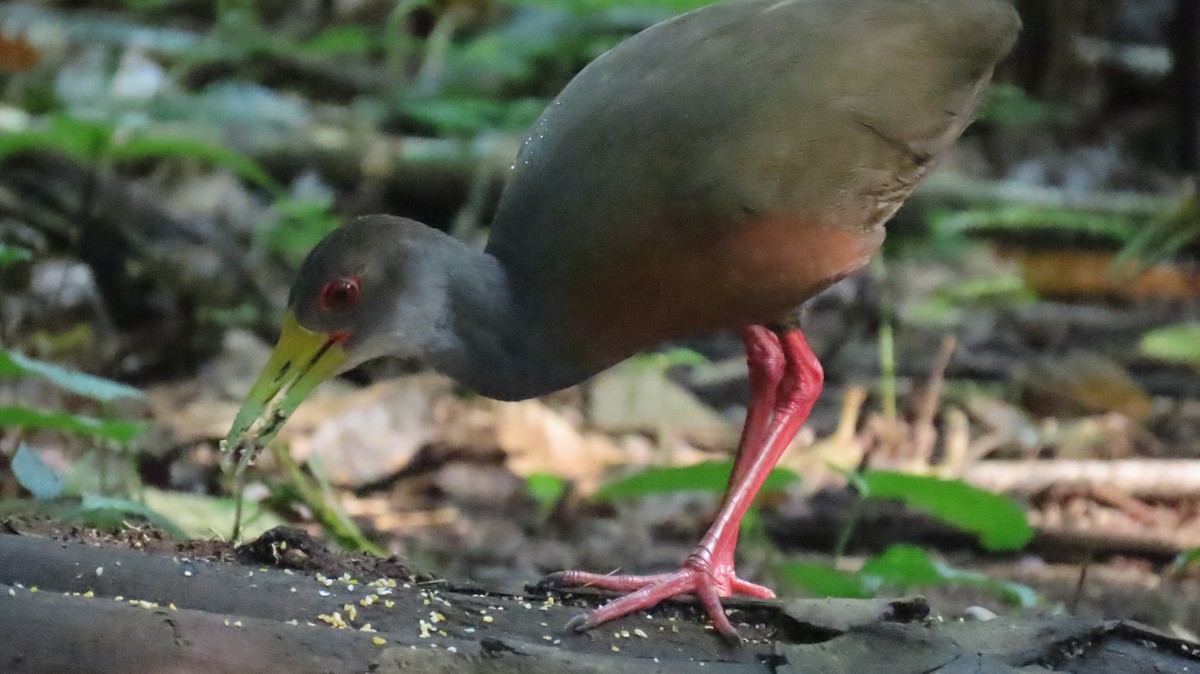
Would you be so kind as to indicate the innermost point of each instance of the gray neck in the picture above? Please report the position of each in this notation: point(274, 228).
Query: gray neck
point(493, 341)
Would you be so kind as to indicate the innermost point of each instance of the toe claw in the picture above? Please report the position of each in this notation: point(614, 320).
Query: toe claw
point(552, 581)
point(733, 639)
point(646, 591)
point(579, 624)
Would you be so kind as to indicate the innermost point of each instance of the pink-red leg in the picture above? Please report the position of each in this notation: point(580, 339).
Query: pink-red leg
point(786, 379)
point(765, 360)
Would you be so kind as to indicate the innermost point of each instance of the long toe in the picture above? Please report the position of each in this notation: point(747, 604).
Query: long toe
point(600, 581)
point(746, 588)
point(647, 591)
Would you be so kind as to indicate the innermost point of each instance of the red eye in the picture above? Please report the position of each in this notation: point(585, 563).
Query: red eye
point(340, 293)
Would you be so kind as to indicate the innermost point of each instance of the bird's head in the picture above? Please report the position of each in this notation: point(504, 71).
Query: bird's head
point(368, 289)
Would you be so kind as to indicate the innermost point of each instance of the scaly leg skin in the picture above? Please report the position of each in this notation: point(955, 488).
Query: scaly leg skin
point(785, 380)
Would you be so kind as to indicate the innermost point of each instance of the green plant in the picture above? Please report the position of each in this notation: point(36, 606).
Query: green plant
point(51, 490)
point(10, 255)
point(1144, 237)
point(1178, 343)
point(709, 476)
point(303, 222)
point(78, 496)
point(1021, 220)
point(546, 489)
point(590, 6)
point(1000, 291)
point(665, 359)
point(314, 490)
point(899, 567)
point(13, 364)
point(98, 144)
point(997, 521)
point(1163, 236)
point(999, 524)
point(109, 429)
point(1008, 105)
point(1186, 559)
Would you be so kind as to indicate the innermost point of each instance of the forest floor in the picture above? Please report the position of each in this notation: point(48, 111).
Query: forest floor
point(74, 601)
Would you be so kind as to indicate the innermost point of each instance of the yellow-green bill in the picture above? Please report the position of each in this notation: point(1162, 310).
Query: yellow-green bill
point(301, 360)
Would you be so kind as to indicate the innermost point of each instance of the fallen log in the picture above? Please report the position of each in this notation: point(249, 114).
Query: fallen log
point(72, 607)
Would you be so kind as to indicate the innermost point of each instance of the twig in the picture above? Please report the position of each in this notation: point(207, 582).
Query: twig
point(1161, 478)
point(1077, 596)
point(887, 341)
point(924, 432)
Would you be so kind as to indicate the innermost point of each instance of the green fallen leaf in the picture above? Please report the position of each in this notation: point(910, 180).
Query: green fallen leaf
point(998, 522)
point(710, 476)
point(906, 566)
point(822, 580)
point(110, 429)
point(13, 364)
point(1178, 343)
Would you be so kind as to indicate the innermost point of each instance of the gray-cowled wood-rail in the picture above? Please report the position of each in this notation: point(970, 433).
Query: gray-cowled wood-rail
point(713, 171)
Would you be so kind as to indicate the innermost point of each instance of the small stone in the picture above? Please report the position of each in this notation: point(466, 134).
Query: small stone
point(978, 614)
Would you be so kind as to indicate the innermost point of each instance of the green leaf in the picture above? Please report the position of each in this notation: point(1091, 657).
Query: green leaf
point(33, 474)
point(545, 488)
point(665, 359)
point(143, 147)
point(1009, 106)
point(998, 522)
point(1026, 221)
point(465, 116)
point(10, 254)
point(81, 139)
point(1187, 558)
point(906, 566)
point(303, 222)
point(903, 565)
point(582, 6)
point(111, 513)
point(111, 429)
point(13, 364)
point(99, 471)
point(340, 41)
point(994, 292)
point(1178, 343)
point(822, 580)
point(199, 516)
point(712, 476)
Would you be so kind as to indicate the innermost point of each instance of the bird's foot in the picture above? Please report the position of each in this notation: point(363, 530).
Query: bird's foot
point(697, 577)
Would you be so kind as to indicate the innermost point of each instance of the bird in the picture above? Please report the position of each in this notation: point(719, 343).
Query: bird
point(711, 172)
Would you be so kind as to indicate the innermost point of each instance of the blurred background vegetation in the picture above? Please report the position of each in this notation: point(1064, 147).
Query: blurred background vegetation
point(166, 164)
